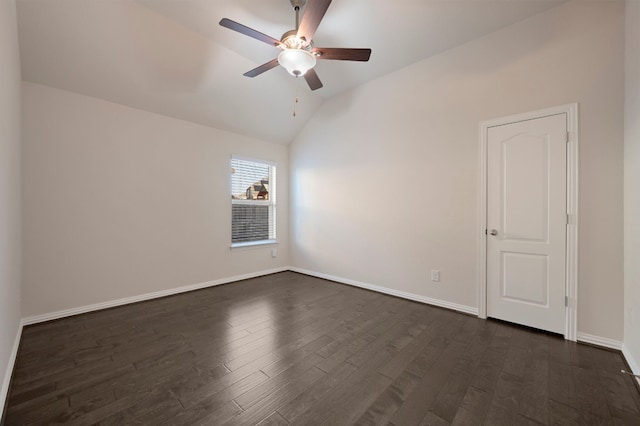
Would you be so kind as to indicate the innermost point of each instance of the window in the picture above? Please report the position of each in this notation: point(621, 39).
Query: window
point(253, 203)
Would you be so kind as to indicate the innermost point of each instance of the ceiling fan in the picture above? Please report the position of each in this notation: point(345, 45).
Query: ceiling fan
point(298, 54)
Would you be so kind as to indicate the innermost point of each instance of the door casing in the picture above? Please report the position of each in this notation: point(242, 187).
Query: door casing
point(571, 279)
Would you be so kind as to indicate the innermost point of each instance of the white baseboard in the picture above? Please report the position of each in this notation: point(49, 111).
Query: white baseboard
point(127, 300)
point(633, 363)
point(582, 337)
point(600, 341)
point(4, 391)
point(404, 295)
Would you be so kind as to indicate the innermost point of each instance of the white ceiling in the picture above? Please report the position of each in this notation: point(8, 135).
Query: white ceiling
point(171, 57)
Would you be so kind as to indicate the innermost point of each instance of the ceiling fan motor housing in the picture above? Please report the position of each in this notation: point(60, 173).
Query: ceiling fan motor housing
point(298, 3)
point(291, 41)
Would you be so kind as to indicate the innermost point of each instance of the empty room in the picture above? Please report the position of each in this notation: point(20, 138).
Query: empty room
point(297, 212)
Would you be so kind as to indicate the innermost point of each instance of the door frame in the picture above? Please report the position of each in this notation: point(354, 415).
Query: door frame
point(571, 254)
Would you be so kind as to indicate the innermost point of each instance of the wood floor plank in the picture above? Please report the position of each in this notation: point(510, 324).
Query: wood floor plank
point(534, 398)
point(307, 399)
point(388, 338)
point(452, 392)
point(145, 411)
point(215, 400)
point(431, 419)
point(591, 399)
point(486, 371)
point(503, 409)
point(220, 416)
point(357, 403)
point(286, 378)
point(346, 346)
point(560, 414)
point(64, 390)
point(37, 414)
point(401, 361)
point(275, 419)
point(293, 356)
point(18, 397)
point(292, 349)
point(621, 417)
point(473, 408)
point(119, 408)
point(617, 393)
point(515, 361)
point(345, 387)
point(276, 397)
point(425, 359)
point(562, 388)
point(223, 391)
point(389, 401)
point(419, 402)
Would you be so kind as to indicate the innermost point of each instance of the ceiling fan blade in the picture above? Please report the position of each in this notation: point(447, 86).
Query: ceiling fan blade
point(313, 13)
point(243, 29)
point(262, 68)
point(312, 79)
point(342, 54)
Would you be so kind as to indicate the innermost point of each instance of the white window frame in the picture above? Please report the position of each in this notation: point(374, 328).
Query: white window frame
point(271, 202)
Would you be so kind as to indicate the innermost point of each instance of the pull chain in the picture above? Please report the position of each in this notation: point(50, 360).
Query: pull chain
point(295, 96)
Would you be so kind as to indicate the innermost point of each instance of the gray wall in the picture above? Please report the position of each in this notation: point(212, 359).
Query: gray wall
point(632, 186)
point(120, 202)
point(10, 208)
point(356, 166)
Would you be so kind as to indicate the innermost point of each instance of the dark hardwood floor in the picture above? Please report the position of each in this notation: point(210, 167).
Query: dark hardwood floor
point(292, 349)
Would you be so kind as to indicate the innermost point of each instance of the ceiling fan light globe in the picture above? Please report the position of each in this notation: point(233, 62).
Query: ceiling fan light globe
point(296, 61)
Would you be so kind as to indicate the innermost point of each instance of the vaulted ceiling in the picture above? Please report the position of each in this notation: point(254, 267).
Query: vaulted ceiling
point(171, 57)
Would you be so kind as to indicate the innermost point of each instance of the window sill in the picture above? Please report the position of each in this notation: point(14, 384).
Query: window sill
point(252, 244)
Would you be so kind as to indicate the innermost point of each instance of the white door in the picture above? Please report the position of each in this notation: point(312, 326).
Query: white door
point(526, 222)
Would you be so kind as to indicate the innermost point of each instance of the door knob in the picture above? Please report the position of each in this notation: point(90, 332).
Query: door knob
point(494, 232)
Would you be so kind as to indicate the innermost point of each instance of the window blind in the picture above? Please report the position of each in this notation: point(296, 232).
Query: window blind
point(252, 201)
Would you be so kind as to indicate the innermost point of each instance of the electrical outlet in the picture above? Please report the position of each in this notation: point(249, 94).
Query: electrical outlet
point(274, 252)
point(435, 275)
